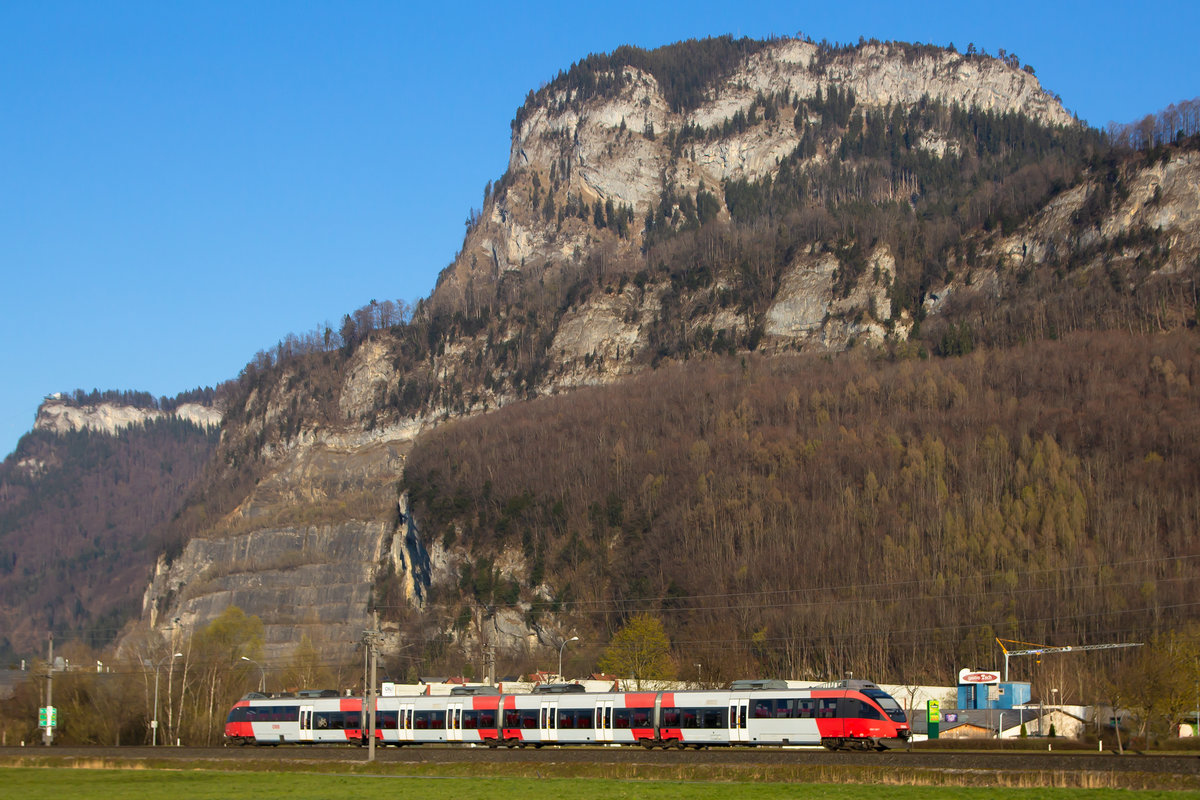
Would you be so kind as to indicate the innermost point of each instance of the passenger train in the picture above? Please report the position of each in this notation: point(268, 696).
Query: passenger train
point(848, 714)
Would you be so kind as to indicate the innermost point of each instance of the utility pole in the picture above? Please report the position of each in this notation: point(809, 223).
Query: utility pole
point(48, 733)
point(489, 663)
point(371, 644)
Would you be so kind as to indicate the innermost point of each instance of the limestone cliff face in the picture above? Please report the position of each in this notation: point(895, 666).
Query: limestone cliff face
point(1162, 199)
point(304, 550)
point(58, 416)
point(615, 149)
point(313, 581)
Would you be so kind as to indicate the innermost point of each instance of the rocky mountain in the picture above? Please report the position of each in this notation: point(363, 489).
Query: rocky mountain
point(722, 202)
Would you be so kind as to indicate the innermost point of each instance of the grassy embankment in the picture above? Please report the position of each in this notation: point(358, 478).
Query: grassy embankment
point(126, 784)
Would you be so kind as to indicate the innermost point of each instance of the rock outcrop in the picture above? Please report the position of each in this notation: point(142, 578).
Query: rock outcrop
point(59, 416)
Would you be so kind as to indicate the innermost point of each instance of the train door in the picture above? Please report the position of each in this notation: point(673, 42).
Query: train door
point(454, 722)
point(306, 724)
point(739, 711)
point(404, 723)
point(604, 721)
point(548, 721)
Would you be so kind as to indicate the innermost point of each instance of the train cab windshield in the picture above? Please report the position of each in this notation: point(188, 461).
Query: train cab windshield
point(887, 703)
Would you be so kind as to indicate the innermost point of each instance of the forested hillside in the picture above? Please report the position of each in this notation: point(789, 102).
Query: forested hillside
point(83, 518)
point(806, 517)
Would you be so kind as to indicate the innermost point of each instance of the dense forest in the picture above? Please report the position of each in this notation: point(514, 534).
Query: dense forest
point(805, 517)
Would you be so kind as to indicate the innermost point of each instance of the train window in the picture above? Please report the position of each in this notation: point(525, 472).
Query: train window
point(386, 720)
point(512, 719)
point(762, 709)
point(868, 711)
point(282, 713)
point(529, 718)
point(583, 719)
point(848, 708)
point(806, 709)
point(682, 717)
point(238, 714)
point(421, 720)
point(887, 703)
point(714, 718)
point(566, 719)
point(641, 717)
point(470, 720)
point(621, 717)
point(785, 709)
point(487, 718)
point(827, 707)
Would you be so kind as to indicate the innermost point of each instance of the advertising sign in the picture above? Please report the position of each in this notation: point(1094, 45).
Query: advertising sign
point(972, 676)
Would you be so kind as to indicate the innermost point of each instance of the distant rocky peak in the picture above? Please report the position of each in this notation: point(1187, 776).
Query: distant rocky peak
point(59, 415)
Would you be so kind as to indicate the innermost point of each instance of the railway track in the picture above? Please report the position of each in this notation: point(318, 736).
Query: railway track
point(1185, 768)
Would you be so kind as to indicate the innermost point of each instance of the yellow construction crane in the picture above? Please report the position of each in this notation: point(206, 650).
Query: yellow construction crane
point(1038, 649)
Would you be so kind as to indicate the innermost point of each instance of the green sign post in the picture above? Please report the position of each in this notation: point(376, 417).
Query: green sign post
point(47, 717)
point(933, 715)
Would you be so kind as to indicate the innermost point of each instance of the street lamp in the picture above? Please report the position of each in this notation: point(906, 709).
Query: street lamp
point(154, 723)
point(262, 675)
point(560, 652)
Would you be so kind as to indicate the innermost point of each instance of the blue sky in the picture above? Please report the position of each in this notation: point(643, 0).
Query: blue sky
point(184, 184)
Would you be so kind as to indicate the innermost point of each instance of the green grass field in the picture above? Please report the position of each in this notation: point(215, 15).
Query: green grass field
point(102, 784)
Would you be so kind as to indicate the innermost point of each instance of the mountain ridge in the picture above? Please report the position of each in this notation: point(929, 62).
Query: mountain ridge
point(805, 225)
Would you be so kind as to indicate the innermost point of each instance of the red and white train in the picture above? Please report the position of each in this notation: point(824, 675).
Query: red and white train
point(840, 715)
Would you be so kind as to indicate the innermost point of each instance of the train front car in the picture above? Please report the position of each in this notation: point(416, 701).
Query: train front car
point(866, 718)
point(852, 715)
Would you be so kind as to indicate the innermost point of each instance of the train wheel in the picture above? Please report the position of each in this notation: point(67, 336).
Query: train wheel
point(831, 743)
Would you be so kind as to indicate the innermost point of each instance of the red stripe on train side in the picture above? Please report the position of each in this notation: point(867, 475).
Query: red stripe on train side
point(640, 699)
